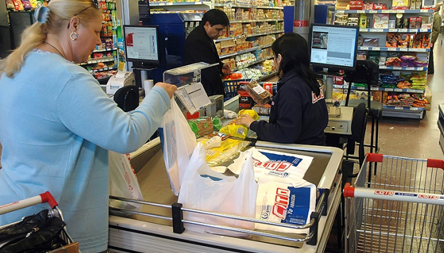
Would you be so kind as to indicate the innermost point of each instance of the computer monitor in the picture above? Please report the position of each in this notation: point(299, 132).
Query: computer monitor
point(141, 45)
point(333, 47)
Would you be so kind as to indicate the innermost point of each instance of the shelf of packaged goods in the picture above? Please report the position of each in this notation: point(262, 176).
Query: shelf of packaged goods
point(395, 30)
point(404, 68)
point(252, 63)
point(416, 50)
point(386, 11)
point(402, 108)
point(256, 20)
point(97, 61)
point(104, 50)
point(379, 89)
point(243, 51)
point(164, 3)
point(262, 78)
point(100, 70)
point(246, 6)
point(248, 36)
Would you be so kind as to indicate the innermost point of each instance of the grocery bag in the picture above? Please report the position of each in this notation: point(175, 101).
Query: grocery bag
point(123, 181)
point(178, 142)
point(204, 189)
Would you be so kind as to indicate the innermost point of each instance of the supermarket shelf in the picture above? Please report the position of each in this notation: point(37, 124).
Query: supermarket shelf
point(104, 50)
point(243, 51)
point(266, 76)
point(164, 3)
point(100, 70)
point(380, 89)
point(398, 108)
point(97, 61)
point(255, 20)
point(404, 68)
point(249, 6)
point(403, 112)
point(418, 50)
point(385, 11)
point(248, 36)
point(396, 30)
point(253, 63)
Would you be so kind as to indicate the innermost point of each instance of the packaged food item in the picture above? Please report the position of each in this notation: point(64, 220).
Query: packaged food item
point(232, 129)
point(249, 112)
point(380, 20)
point(263, 109)
point(201, 126)
point(370, 42)
point(363, 21)
point(258, 93)
point(228, 150)
point(400, 4)
point(391, 40)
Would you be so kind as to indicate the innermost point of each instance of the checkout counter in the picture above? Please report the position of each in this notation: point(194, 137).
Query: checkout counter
point(151, 230)
point(158, 226)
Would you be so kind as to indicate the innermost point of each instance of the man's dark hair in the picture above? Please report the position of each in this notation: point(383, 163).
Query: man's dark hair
point(215, 17)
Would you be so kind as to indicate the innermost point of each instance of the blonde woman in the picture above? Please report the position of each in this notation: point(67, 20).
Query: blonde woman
point(57, 125)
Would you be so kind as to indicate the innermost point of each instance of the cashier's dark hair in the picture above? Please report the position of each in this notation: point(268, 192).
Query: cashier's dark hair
point(294, 51)
point(215, 17)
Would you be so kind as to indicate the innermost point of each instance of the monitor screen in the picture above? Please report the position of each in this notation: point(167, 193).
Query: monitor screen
point(333, 46)
point(141, 45)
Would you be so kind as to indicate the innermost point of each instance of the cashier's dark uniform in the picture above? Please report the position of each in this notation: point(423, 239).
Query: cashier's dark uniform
point(297, 114)
point(200, 48)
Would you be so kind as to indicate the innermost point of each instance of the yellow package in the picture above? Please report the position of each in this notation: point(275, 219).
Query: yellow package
point(228, 150)
point(232, 129)
point(250, 112)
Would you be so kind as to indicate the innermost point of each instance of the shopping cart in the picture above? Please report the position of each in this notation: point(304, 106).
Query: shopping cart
point(20, 233)
point(400, 208)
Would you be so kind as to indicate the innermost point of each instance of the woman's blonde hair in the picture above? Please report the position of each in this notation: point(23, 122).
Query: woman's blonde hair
point(61, 11)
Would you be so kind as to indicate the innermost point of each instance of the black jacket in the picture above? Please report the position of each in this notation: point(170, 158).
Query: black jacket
point(297, 115)
point(200, 48)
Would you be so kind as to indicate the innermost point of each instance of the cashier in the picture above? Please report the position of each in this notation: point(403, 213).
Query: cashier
point(199, 47)
point(298, 111)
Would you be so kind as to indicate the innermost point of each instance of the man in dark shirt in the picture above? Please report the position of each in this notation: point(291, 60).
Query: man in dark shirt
point(199, 47)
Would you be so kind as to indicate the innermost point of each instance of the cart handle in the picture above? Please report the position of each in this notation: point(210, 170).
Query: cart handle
point(45, 197)
point(349, 192)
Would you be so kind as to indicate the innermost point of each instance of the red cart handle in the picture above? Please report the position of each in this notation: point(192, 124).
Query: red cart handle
point(349, 192)
point(41, 198)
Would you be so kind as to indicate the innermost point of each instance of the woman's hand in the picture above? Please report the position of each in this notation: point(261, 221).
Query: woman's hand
point(245, 120)
point(169, 88)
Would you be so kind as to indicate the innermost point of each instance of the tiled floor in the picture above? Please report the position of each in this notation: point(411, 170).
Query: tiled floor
point(408, 137)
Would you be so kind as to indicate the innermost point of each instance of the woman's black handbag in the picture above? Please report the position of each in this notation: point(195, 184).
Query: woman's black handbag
point(37, 233)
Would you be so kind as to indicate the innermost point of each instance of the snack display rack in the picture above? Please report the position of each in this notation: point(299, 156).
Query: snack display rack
point(396, 35)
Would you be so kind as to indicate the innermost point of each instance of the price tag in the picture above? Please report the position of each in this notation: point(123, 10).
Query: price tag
point(399, 108)
point(340, 11)
point(399, 11)
point(414, 108)
point(378, 30)
point(169, 3)
point(403, 49)
point(424, 10)
point(376, 48)
point(363, 48)
point(360, 88)
point(386, 11)
point(388, 89)
point(374, 88)
point(372, 11)
point(391, 49)
point(161, 4)
point(403, 30)
point(410, 68)
point(410, 90)
point(360, 11)
point(397, 90)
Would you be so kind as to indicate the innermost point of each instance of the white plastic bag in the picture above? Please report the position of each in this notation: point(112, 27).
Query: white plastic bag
point(178, 142)
point(123, 181)
point(207, 190)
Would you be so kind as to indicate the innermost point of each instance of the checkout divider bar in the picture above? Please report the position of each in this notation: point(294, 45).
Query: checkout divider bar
point(178, 221)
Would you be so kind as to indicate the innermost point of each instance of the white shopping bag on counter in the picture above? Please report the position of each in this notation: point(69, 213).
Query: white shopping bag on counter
point(178, 142)
point(123, 181)
point(204, 189)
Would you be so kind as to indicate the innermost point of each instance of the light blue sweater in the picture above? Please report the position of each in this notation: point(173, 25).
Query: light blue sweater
point(56, 125)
